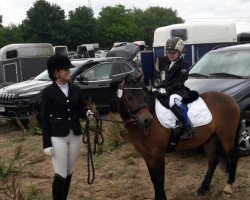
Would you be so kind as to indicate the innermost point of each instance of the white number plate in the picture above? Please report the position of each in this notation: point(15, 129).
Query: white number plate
point(2, 109)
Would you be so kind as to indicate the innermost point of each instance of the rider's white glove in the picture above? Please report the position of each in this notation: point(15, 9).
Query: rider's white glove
point(89, 114)
point(162, 90)
point(48, 151)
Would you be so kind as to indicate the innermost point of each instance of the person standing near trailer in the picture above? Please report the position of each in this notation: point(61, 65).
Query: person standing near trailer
point(62, 106)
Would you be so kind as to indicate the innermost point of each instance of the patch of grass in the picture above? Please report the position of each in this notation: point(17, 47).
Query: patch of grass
point(32, 193)
point(31, 126)
point(114, 136)
point(132, 154)
point(7, 126)
point(13, 167)
point(36, 159)
point(219, 177)
point(240, 175)
point(130, 161)
point(14, 190)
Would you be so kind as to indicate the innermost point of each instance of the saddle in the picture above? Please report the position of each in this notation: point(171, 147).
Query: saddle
point(192, 96)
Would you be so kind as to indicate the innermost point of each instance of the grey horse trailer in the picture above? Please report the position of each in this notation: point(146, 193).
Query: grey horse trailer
point(20, 62)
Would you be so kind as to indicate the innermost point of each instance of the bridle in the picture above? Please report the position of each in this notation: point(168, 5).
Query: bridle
point(132, 112)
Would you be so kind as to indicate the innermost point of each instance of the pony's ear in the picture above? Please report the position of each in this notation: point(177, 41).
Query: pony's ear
point(139, 78)
point(128, 78)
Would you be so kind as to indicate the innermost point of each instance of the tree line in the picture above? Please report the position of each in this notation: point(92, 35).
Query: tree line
point(48, 23)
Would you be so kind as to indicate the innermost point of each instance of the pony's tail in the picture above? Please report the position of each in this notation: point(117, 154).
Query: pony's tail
point(225, 164)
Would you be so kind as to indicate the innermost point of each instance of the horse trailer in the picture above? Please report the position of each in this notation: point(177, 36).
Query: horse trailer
point(20, 62)
point(60, 50)
point(86, 51)
point(199, 38)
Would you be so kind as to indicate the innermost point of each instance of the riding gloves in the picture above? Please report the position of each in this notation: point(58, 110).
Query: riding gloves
point(48, 151)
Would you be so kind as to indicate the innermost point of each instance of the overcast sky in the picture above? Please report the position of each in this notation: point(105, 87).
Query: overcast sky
point(14, 11)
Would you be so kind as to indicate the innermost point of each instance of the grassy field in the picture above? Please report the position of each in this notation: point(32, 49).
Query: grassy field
point(25, 173)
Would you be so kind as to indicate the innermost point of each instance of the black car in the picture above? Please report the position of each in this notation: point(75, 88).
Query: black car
point(97, 77)
point(227, 69)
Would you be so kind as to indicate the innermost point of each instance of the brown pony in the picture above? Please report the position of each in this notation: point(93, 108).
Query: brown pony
point(219, 136)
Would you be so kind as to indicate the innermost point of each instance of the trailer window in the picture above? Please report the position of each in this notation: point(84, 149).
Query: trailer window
point(11, 54)
point(181, 33)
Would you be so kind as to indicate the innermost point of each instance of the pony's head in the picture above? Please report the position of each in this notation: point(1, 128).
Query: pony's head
point(131, 102)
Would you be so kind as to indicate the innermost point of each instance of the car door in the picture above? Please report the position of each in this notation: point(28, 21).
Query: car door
point(95, 82)
point(120, 70)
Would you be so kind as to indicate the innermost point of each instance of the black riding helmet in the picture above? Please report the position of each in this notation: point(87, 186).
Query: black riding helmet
point(57, 62)
point(174, 44)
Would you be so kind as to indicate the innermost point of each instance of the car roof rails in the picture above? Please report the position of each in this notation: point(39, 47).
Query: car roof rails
point(230, 44)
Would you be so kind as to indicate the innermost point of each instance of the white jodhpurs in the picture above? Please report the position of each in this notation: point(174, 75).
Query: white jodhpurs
point(172, 99)
point(66, 152)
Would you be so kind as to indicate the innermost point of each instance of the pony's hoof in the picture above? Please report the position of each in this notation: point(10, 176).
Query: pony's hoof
point(202, 192)
point(228, 191)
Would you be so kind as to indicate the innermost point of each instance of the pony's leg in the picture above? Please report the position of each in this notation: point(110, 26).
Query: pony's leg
point(156, 168)
point(211, 149)
point(231, 165)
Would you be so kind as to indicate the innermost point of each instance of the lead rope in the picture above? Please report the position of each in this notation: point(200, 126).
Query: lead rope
point(98, 140)
point(90, 164)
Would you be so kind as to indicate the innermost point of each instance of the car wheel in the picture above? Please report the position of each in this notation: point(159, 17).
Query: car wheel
point(244, 139)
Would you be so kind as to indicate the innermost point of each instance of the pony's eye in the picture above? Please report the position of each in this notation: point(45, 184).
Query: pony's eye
point(130, 97)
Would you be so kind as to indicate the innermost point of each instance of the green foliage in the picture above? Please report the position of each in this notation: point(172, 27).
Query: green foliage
point(152, 18)
point(7, 169)
point(10, 34)
point(1, 21)
point(82, 25)
point(115, 24)
point(45, 22)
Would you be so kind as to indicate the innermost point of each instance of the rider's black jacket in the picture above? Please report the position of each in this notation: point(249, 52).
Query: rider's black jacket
point(59, 113)
point(175, 77)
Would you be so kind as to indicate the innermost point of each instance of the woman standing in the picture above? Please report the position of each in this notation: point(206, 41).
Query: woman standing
point(62, 106)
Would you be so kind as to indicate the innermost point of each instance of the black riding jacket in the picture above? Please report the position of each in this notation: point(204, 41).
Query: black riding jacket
point(59, 113)
point(175, 77)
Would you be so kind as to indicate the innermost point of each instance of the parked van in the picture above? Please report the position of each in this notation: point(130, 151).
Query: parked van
point(86, 51)
point(20, 62)
point(199, 38)
point(60, 50)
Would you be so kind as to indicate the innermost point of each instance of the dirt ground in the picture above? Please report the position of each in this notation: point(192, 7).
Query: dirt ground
point(120, 173)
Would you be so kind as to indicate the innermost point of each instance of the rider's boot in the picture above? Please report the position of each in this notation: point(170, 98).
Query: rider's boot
point(185, 129)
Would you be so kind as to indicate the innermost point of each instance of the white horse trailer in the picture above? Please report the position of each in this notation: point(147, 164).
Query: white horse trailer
point(20, 62)
point(199, 38)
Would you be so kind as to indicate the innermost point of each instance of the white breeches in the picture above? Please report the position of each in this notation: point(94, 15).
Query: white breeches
point(172, 99)
point(66, 152)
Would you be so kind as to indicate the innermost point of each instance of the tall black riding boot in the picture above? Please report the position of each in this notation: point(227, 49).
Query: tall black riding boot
point(186, 131)
point(58, 187)
point(67, 186)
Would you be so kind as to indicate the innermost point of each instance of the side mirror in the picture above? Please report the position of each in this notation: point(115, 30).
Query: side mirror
point(82, 79)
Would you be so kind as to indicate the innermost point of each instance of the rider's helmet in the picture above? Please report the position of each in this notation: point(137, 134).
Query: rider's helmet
point(57, 62)
point(174, 44)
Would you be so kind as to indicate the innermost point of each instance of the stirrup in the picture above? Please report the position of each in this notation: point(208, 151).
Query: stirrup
point(187, 133)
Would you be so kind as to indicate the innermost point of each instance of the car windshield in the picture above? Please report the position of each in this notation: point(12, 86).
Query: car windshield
point(231, 64)
point(45, 77)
